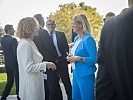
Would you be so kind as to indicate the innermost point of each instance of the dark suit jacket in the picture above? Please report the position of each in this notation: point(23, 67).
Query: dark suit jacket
point(9, 46)
point(74, 34)
point(48, 51)
point(117, 47)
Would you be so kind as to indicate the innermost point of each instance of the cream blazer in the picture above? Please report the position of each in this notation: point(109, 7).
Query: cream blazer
point(31, 82)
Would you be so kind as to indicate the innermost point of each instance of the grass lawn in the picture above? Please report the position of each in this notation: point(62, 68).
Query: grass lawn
point(3, 82)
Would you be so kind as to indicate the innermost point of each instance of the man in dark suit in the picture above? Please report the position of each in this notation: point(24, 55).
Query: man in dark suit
point(41, 49)
point(109, 16)
point(55, 46)
point(9, 46)
point(74, 34)
point(115, 76)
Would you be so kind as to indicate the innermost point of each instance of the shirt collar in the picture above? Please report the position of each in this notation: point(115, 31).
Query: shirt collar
point(50, 33)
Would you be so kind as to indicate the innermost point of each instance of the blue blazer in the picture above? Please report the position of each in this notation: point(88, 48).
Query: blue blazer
point(86, 49)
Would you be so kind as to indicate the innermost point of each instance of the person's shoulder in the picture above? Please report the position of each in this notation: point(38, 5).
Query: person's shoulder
point(6, 36)
point(127, 16)
point(3, 37)
point(9, 37)
point(24, 42)
point(87, 35)
point(42, 30)
point(24, 45)
point(13, 37)
point(59, 32)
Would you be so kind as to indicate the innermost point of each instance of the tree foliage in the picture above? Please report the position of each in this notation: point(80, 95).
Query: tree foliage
point(64, 15)
point(2, 32)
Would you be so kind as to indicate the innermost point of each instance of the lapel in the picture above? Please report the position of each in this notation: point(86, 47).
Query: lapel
point(58, 36)
point(48, 43)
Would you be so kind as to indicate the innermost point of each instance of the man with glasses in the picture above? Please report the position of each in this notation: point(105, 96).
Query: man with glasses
point(56, 48)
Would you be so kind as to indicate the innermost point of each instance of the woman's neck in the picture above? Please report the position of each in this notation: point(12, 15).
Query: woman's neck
point(81, 35)
point(31, 38)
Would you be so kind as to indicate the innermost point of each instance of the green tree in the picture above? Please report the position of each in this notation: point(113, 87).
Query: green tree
point(64, 16)
point(2, 32)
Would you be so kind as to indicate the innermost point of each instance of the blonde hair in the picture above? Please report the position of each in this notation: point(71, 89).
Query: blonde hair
point(81, 18)
point(26, 27)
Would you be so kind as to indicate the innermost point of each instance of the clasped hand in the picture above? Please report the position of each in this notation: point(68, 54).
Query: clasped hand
point(72, 59)
point(51, 65)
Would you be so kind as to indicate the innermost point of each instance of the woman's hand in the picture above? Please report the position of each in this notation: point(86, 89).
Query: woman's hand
point(72, 59)
point(51, 65)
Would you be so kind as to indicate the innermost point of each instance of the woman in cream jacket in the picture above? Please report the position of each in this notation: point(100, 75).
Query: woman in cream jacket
point(31, 67)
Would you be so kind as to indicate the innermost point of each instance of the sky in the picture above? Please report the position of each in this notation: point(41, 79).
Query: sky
point(11, 11)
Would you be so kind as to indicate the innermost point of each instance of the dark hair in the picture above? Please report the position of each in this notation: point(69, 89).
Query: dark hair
point(124, 10)
point(8, 27)
point(40, 19)
point(50, 20)
point(110, 14)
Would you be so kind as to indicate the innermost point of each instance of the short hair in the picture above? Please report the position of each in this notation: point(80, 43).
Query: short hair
point(26, 27)
point(124, 10)
point(8, 27)
point(110, 14)
point(40, 19)
point(50, 20)
point(81, 18)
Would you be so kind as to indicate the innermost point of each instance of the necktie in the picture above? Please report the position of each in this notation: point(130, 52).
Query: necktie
point(55, 44)
point(51, 35)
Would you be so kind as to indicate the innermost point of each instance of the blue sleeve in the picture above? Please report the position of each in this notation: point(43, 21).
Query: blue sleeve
point(90, 46)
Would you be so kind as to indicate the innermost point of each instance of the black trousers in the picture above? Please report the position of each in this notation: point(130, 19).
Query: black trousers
point(12, 73)
point(54, 77)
